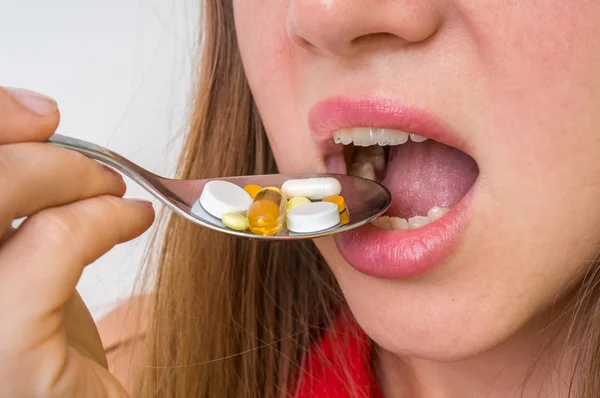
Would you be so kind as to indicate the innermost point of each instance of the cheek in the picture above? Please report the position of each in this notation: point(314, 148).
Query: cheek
point(543, 90)
point(536, 223)
point(540, 73)
point(276, 82)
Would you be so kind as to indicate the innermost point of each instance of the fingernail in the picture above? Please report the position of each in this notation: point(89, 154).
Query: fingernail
point(113, 172)
point(35, 102)
point(142, 202)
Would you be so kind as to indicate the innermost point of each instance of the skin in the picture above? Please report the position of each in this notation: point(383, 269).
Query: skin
point(75, 214)
point(519, 82)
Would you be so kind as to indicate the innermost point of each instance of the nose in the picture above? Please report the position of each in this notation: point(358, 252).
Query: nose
point(343, 27)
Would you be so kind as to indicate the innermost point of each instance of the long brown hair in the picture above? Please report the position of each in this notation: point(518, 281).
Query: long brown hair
point(233, 317)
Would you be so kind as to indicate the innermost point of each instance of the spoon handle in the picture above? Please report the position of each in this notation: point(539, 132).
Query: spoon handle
point(102, 155)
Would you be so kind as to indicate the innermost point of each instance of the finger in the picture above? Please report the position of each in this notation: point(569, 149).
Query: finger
point(26, 116)
point(34, 176)
point(41, 264)
point(82, 333)
point(6, 235)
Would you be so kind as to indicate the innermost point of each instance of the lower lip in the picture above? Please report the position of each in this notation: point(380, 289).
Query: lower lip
point(405, 254)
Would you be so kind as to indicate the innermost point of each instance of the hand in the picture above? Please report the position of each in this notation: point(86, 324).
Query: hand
point(75, 213)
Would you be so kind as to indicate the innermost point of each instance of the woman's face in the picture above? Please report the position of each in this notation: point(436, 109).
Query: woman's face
point(515, 85)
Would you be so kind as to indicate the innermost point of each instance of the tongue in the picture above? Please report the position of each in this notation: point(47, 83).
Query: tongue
point(427, 174)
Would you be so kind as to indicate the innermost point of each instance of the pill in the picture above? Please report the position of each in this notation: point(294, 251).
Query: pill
point(344, 217)
point(252, 189)
point(313, 217)
point(235, 221)
point(312, 188)
point(338, 200)
point(295, 202)
point(267, 211)
point(219, 197)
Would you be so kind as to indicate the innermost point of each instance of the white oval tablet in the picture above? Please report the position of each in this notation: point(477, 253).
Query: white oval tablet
point(220, 197)
point(313, 217)
point(313, 188)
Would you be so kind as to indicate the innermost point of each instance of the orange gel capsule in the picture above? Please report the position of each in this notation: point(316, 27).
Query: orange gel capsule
point(252, 190)
point(267, 212)
point(338, 200)
point(344, 217)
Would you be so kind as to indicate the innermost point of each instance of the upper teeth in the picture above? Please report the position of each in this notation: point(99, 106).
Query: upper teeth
point(367, 136)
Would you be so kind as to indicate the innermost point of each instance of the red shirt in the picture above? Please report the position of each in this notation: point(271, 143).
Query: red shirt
point(339, 364)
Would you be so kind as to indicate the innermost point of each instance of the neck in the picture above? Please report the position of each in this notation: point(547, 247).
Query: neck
point(536, 362)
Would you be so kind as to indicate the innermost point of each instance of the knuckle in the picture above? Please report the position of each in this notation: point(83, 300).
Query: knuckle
point(77, 228)
point(57, 226)
point(112, 210)
point(81, 218)
point(87, 171)
point(11, 164)
point(76, 160)
point(5, 170)
point(84, 169)
point(109, 212)
point(7, 159)
point(107, 204)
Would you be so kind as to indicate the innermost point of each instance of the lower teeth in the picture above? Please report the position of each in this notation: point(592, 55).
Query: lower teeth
point(394, 223)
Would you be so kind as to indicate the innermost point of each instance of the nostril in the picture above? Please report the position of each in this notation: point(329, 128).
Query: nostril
point(383, 36)
point(303, 43)
point(298, 38)
point(375, 41)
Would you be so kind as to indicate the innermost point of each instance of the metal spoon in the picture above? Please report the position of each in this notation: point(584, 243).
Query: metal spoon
point(365, 199)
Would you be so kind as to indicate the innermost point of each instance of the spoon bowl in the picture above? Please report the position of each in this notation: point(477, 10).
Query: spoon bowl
point(365, 199)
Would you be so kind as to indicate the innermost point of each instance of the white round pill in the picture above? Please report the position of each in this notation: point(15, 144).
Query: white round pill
point(220, 197)
point(313, 217)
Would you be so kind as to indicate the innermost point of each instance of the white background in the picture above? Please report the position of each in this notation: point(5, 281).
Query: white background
point(121, 71)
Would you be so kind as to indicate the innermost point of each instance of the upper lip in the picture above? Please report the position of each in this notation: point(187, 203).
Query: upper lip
point(335, 113)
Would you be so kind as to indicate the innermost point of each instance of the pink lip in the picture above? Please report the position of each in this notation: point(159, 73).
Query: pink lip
point(404, 254)
point(399, 254)
point(336, 113)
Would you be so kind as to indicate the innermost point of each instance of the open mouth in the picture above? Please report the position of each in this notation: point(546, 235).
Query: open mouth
point(424, 164)
point(426, 178)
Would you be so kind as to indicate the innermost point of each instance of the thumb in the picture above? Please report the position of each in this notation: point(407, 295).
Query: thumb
point(26, 116)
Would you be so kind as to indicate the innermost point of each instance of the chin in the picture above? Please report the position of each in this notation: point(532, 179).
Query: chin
point(444, 315)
